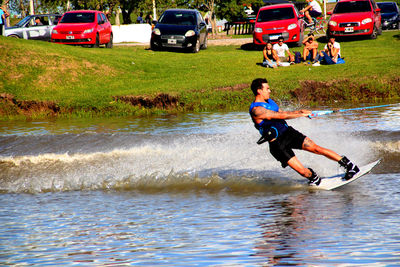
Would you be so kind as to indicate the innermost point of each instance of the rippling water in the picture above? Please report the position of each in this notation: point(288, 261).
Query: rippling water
point(195, 190)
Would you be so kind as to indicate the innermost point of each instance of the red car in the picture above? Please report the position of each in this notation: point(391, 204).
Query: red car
point(278, 20)
point(83, 27)
point(355, 17)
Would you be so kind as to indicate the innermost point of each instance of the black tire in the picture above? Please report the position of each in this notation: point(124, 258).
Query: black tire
point(14, 36)
point(301, 37)
point(110, 43)
point(374, 34)
point(97, 44)
point(205, 44)
point(196, 48)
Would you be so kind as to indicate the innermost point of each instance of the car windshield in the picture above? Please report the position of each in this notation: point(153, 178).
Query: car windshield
point(352, 6)
point(23, 21)
point(178, 18)
point(78, 18)
point(275, 14)
point(387, 7)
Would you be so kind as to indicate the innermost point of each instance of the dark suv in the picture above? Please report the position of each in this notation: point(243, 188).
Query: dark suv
point(180, 28)
point(390, 15)
point(35, 27)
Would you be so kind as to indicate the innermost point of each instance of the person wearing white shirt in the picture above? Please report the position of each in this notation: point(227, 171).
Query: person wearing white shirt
point(281, 48)
point(313, 9)
point(330, 54)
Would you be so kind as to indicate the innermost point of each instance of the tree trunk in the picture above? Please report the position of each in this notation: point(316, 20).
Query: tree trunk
point(117, 12)
point(31, 8)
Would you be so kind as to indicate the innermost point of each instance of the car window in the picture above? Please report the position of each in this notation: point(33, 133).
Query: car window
point(387, 7)
point(352, 6)
point(275, 14)
point(78, 18)
point(55, 19)
point(99, 19)
point(103, 17)
point(178, 18)
point(37, 21)
point(45, 20)
point(22, 22)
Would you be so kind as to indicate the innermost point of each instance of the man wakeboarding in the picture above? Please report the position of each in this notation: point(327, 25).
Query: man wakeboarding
point(282, 139)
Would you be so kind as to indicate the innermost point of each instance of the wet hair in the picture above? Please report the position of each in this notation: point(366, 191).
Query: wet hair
point(257, 84)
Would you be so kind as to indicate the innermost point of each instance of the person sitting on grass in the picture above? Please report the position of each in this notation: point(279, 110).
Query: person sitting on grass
point(270, 56)
point(331, 53)
point(280, 49)
point(310, 50)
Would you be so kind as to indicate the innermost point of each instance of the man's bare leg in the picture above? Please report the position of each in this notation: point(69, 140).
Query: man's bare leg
point(312, 147)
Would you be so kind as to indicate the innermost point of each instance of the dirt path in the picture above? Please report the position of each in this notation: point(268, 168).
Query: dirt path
point(211, 42)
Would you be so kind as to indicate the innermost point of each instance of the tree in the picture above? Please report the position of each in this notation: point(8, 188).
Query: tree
point(233, 10)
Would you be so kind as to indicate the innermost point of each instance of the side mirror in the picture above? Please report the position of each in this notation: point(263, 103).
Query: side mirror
point(378, 10)
point(202, 24)
point(329, 13)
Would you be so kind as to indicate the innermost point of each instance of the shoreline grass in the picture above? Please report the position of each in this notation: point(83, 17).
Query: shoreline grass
point(84, 82)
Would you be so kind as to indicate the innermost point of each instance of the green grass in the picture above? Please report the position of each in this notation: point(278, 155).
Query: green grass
point(84, 80)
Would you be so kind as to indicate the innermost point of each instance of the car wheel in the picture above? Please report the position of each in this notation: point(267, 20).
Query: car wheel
point(204, 46)
point(380, 30)
point(374, 34)
point(14, 36)
point(196, 48)
point(301, 37)
point(110, 43)
point(97, 44)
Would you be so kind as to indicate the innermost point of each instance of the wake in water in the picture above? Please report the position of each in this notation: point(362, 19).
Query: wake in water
point(228, 159)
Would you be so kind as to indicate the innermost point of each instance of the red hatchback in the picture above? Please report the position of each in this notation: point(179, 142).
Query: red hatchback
point(83, 27)
point(278, 20)
point(355, 17)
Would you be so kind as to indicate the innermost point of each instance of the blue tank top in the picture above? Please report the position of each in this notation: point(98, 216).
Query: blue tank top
point(270, 129)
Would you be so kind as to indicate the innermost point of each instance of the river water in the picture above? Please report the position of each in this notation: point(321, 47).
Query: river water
point(195, 190)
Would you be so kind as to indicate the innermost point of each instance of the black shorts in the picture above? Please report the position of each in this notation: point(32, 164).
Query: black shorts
point(282, 147)
point(314, 13)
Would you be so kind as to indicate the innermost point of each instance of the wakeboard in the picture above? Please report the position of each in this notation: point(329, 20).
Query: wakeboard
point(332, 182)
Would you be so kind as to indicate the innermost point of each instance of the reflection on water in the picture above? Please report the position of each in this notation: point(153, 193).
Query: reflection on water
point(194, 190)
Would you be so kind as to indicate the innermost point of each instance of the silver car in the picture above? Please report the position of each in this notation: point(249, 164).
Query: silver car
point(34, 27)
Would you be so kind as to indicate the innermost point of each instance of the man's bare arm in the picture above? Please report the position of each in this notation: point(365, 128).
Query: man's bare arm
point(260, 113)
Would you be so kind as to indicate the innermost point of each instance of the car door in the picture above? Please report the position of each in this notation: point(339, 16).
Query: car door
point(38, 31)
point(107, 28)
point(202, 27)
point(100, 28)
point(377, 14)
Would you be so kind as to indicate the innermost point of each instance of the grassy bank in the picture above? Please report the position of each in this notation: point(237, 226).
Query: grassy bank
point(78, 81)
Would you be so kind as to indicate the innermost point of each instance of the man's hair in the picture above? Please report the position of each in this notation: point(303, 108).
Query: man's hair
point(281, 38)
point(257, 84)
